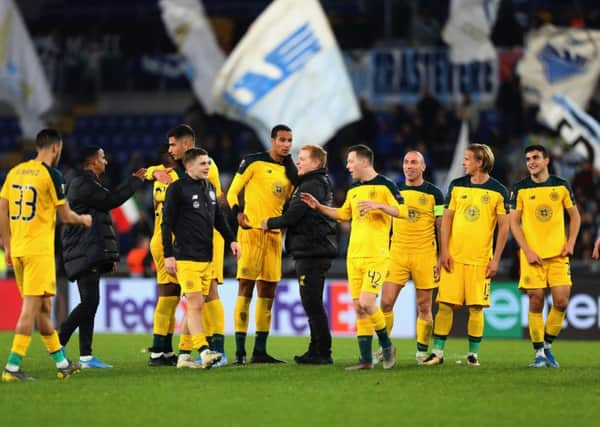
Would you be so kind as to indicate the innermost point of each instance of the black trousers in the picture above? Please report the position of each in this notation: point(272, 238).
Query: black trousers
point(311, 276)
point(83, 315)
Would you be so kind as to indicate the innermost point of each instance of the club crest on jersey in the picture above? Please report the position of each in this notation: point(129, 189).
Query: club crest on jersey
point(554, 196)
point(485, 199)
point(472, 213)
point(543, 213)
point(277, 189)
point(413, 215)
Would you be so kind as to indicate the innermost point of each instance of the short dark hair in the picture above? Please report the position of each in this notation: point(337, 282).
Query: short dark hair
point(279, 127)
point(86, 154)
point(47, 137)
point(182, 131)
point(192, 154)
point(537, 147)
point(363, 151)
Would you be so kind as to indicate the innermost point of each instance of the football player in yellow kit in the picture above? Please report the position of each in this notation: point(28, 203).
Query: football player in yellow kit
point(537, 221)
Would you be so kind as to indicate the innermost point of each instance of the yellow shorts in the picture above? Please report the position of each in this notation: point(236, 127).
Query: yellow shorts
point(35, 274)
point(465, 285)
point(553, 272)
point(366, 275)
point(156, 249)
point(261, 255)
point(419, 266)
point(194, 276)
point(218, 257)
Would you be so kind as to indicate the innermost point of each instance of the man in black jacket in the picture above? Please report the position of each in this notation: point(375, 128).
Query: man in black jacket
point(311, 239)
point(190, 213)
point(89, 252)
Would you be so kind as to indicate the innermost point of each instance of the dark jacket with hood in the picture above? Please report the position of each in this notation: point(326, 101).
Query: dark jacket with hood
point(96, 247)
point(310, 234)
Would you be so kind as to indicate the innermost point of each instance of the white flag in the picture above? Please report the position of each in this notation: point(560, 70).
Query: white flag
point(192, 34)
point(23, 83)
point(288, 69)
point(575, 126)
point(560, 61)
point(456, 169)
point(468, 29)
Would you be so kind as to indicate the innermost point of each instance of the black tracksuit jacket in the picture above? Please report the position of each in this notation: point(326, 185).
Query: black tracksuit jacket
point(190, 212)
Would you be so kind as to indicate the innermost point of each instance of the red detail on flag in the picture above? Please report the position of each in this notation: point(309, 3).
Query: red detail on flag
point(120, 220)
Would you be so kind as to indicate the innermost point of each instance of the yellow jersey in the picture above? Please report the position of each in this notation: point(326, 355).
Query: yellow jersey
point(370, 232)
point(34, 190)
point(267, 185)
point(416, 232)
point(476, 208)
point(542, 207)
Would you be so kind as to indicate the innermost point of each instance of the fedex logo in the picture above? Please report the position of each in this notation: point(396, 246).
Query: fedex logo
point(287, 58)
point(289, 316)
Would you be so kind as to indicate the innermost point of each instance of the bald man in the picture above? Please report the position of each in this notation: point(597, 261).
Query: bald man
point(413, 252)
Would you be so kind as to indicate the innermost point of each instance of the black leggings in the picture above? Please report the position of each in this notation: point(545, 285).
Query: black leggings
point(83, 315)
point(311, 275)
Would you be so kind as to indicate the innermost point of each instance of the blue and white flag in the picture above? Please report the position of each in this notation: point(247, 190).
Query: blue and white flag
point(467, 31)
point(560, 61)
point(288, 69)
point(575, 126)
point(191, 32)
point(23, 83)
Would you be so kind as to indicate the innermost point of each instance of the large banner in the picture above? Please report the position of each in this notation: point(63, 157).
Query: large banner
point(191, 32)
point(10, 304)
point(560, 61)
point(127, 305)
point(580, 130)
point(467, 31)
point(399, 75)
point(288, 69)
point(23, 82)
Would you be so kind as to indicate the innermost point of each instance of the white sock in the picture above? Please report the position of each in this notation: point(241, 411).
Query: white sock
point(438, 352)
point(63, 364)
point(156, 355)
point(85, 358)
point(540, 352)
point(11, 368)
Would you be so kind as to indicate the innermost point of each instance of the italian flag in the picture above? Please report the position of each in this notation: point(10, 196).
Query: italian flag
point(126, 215)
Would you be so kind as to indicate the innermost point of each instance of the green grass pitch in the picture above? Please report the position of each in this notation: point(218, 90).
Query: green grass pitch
point(502, 392)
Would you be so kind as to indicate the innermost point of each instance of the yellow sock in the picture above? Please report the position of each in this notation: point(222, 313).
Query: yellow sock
point(217, 316)
point(207, 321)
point(424, 329)
point(185, 343)
point(263, 314)
point(443, 320)
point(172, 319)
point(51, 342)
point(163, 314)
point(475, 322)
point(20, 344)
point(240, 320)
point(364, 327)
point(536, 327)
point(389, 320)
point(378, 320)
point(554, 322)
point(199, 341)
